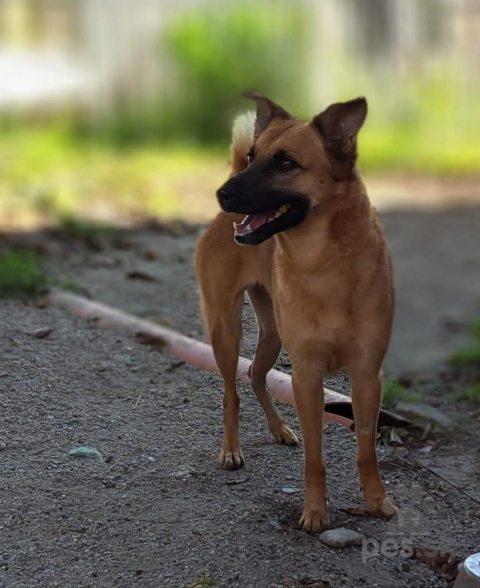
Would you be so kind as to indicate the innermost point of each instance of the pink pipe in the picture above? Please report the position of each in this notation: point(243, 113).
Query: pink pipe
point(194, 352)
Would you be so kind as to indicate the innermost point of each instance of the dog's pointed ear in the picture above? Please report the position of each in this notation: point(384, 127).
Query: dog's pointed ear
point(339, 124)
point(266, 111)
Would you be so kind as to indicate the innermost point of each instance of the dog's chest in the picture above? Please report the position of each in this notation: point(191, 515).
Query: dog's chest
point(314, 307)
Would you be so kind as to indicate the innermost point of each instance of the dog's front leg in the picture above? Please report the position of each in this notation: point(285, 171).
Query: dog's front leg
point(309, 402)
point(366, 399)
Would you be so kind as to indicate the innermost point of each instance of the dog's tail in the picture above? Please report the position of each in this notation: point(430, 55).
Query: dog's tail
point(242, 139)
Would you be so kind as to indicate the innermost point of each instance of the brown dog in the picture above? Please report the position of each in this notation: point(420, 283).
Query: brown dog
point(318, 275)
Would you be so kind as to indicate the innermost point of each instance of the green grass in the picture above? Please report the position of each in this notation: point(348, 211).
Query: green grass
point(49, 176)
point(393, 392)
point(468, 354)
point(470, 394)
point(71, 286)
point(475, 328)
point(21, 275)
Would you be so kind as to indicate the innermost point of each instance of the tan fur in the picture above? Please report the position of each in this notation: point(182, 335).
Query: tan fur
point(323, 289)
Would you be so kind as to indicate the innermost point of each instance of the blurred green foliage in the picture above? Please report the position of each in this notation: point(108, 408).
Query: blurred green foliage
point(215, 55)
point(221, 53)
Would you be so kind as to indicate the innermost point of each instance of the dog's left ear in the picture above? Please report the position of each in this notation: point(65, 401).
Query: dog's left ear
point(266, 111)
point(339, 124)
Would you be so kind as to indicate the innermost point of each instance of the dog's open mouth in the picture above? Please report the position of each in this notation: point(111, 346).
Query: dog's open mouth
point(256, 228)
point(253, 222)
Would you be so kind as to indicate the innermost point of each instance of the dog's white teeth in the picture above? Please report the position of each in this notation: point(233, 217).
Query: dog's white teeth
point(278, 213)
point(283, 208)
point(234, 225)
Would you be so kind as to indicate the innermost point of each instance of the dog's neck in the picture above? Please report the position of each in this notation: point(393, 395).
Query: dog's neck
point(332, 230)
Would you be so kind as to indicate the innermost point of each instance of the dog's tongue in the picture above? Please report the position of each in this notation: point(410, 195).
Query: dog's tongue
point(253, 221)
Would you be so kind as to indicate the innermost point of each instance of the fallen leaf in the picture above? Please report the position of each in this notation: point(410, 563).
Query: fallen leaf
point(141, 275)
point(474, 511)
point(236, 481)
point(175, 365)
point(42, 333)
point(313, 583)
point(395, 437)
point(153, 340)
point(361, 512)
point(446, 564)
point(396, 462)
point(201, 582)
point(151, 255)
point(388, 465)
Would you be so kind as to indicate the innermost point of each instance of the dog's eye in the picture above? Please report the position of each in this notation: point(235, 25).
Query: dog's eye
point(249, 157)
point(287, 164)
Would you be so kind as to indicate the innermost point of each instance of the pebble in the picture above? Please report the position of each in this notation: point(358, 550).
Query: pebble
point(429, 503)
point(341, 537)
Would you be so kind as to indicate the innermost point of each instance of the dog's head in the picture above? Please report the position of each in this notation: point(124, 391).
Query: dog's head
point(291, 168)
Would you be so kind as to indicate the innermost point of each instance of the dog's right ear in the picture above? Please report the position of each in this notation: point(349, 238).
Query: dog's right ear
point(266, 111)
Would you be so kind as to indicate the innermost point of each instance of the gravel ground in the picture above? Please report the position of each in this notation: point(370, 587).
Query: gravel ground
point(157, 511)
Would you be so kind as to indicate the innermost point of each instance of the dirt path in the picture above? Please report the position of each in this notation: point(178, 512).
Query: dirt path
point(157, 511)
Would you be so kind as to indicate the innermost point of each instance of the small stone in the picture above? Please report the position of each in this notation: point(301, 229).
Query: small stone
point(290, 490)
point(341, 537)
point(429, 503)
point(41, 333)
point(274, 525)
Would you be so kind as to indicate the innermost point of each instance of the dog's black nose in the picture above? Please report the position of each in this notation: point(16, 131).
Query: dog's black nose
point(225, 194)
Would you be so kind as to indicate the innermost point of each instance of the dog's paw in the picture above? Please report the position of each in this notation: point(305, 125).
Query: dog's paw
point(389, 509)
point(314, 520)
point(231, 460)
point(384, 507)
point(284, 435)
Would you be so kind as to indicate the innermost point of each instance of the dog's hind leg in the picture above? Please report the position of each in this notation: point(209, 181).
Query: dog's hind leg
point(224, 325)
point(266, 353)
